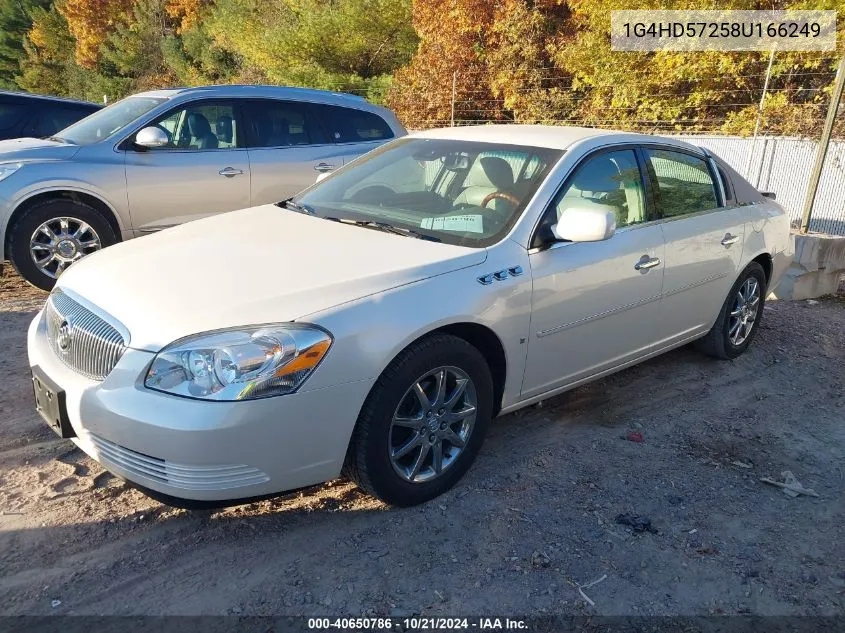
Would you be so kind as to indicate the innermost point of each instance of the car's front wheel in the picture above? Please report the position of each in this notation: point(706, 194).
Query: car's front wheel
point(739, 317)
point(53, 234)
point(423, 422)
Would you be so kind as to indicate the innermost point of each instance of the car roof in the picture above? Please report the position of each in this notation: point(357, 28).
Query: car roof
point(256, 90)
point(549, 136)
point(29, 95)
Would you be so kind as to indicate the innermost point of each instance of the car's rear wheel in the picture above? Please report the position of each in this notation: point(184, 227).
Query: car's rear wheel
point(739, 317)
point(423, 422)
point(53, 234)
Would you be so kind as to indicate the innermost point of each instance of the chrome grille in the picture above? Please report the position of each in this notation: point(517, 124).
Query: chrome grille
point(82, 340)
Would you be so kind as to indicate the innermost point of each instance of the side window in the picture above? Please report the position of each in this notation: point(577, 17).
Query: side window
point(11, 114)
point(684, 183)
point(347, 125)
point(282, 124)
point(609, 179)
point(201, 126)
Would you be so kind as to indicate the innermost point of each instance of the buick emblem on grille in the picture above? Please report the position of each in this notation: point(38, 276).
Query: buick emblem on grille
point(65, 335)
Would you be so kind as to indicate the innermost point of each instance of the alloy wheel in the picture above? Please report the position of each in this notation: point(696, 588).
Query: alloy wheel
point(59, 242)
point(744, 312)
point(432, 424)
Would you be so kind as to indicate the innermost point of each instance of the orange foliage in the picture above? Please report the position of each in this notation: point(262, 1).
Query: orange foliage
point(90, 22)
point(187, 12)
point(452, 37)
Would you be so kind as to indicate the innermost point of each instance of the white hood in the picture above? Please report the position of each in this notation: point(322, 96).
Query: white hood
point(259, 265)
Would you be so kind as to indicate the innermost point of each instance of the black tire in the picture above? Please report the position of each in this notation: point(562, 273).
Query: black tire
point(717, 342)
point(25, 225)
point(368, 462)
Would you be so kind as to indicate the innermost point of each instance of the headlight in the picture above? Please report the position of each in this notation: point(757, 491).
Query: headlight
point(241, 363)
point(7, 169)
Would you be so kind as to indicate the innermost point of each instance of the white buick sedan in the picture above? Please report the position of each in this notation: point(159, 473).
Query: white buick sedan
point(374, 324)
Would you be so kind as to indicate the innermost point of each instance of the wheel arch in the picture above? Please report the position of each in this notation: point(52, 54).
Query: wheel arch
point(75, 195)
point(482, 338)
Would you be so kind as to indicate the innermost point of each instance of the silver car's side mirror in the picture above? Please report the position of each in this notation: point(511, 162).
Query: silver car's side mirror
point(151, 137)
point(588, 223)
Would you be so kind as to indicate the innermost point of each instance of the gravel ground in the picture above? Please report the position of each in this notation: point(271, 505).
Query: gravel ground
point(534, 518)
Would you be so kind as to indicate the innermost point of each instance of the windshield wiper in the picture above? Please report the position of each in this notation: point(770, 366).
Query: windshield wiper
point(57, 139)
point(387, 228)
point(297, 206)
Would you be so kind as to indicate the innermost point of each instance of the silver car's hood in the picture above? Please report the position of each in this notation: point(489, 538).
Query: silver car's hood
point(27, 149)
point(259, 265)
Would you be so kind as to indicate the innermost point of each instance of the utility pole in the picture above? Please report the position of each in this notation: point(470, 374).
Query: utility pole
point(760, 115)
point(824, 142)
point(454, 82)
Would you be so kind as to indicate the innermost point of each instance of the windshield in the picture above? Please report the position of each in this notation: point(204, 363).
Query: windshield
point(108, 121)
point(459, 192)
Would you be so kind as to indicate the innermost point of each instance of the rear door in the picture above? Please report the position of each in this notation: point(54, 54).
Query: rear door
point(355, 132)
point(203, 170)
point(288, 148)
point(704, 238)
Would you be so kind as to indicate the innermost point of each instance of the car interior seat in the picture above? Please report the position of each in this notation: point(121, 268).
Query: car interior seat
point(487, 175)
point(224, 126)
point(200, 129)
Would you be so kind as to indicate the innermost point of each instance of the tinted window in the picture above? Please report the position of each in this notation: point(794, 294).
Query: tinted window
point(282, 124)
point(347, 125)
point(200, 126)
point(684, 183)
point(11, 114)
point(611, 180)
point(50, 119)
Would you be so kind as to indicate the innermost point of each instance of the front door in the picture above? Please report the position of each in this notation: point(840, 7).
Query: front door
point(203, 170)
point(596, 304)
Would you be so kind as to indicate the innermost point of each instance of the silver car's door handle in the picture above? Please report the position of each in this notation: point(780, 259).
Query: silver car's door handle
point(323, 167)
point(729, 239)
point(647, 262)
point(230, 171)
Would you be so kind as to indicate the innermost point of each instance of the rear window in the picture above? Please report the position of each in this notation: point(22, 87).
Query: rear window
point(347, 125)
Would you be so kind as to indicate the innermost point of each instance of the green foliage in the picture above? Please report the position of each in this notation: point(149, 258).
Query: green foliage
point(15, 22)
point(332, 44)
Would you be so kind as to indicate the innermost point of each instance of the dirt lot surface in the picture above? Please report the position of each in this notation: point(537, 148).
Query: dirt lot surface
point(535, 517)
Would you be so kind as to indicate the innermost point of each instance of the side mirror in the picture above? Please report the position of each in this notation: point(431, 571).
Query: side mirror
point(151, 137)
point(592, 223)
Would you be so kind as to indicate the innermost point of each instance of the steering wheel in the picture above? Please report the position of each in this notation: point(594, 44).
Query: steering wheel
point(502, 195)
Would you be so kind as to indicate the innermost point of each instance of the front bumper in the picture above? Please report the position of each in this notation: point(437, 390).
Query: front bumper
point(193, 450)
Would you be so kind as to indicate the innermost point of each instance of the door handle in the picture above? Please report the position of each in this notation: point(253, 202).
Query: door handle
point(230, 171)
point(729, 239)
point(323, 167)
point(647, 262)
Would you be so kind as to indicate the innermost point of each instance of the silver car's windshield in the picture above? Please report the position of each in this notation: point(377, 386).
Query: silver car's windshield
point(459, 192)
point(108, 121)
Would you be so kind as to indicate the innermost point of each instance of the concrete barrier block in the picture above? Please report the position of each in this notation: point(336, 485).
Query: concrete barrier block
point(816, 269)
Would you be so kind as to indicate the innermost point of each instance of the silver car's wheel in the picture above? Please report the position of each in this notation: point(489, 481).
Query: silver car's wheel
point(744, 312)
point(58, 242)
point(432, 424)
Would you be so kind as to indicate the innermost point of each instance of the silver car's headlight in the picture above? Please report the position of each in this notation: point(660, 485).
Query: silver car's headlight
point(240, 363)
point(7, 169)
